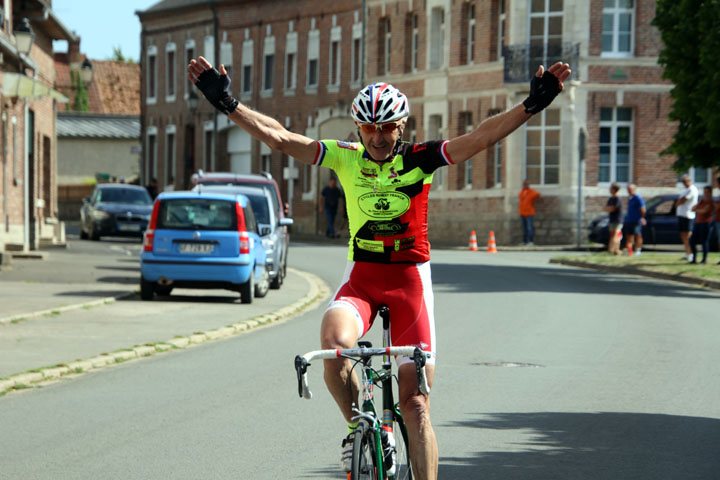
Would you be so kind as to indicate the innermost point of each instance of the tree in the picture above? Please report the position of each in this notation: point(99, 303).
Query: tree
point(118, 56)
point(82, 102)
point(691, 44)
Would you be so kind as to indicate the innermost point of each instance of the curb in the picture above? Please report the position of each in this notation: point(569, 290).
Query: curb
point(695, 281)
point(66, 308)
point(319, 290)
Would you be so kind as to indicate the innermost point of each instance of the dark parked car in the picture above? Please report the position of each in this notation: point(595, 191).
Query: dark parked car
point(198, 240)
point(274, 238)
point(264, 180)
point(115, 210)
point(661, 228)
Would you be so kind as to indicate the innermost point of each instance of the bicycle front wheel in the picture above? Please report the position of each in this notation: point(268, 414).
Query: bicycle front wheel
point(403, 469)
point(364, 454)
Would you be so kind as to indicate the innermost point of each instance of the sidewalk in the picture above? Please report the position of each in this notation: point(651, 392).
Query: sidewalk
point(55, 321)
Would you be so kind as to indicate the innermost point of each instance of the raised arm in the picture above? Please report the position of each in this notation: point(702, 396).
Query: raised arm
point(544, 87)
point(215, 85)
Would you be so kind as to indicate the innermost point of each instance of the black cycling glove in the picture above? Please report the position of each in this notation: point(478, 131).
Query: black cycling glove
point(216, 89)
point(543, 91)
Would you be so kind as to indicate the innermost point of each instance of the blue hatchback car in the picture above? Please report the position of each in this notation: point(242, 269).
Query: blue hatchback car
point(203, 240)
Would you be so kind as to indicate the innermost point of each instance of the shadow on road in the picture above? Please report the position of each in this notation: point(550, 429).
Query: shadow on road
point(591, 446)
point(497, 278)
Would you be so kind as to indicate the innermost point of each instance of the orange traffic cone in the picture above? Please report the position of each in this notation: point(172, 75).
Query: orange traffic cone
point(492, 248)
point(473, 242)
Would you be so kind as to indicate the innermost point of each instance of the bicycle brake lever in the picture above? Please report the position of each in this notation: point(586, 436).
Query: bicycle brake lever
point(420, 359)
point(301, 368)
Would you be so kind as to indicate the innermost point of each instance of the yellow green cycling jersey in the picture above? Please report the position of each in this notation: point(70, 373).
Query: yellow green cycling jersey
point(387, 203)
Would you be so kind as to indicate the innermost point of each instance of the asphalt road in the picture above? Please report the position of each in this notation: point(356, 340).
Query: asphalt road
point(544, 372)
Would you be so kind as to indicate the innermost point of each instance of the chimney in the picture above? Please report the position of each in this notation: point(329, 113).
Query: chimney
point(74, 56)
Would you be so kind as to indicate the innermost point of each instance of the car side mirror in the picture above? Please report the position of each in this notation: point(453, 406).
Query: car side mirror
point(86, 200)
point(286, 222)
point(265, 231)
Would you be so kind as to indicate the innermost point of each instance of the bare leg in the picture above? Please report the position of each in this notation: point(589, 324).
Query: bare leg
point(339, 330)
point(415, 409)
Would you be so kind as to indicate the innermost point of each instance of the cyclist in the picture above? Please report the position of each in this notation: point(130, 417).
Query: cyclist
point(387, 182)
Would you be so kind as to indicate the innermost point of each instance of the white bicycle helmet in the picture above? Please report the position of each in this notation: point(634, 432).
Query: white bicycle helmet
point(379, 103)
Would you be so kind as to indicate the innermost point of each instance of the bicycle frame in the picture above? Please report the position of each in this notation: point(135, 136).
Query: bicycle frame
point(363, 355)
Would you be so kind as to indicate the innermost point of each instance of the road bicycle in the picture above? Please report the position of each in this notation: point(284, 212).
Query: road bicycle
point(380, 443)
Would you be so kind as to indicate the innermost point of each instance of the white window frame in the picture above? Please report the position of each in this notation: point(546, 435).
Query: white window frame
point(152, 78)
point(439, 175)
point(170, 153)
point(614, 125)
point(189, 54)
point(436, 39)
point(497, 165)
point(151, 166)
point(415, 42)
point(616, 12)
point(208, 163)
point(209, 49)
point(387, 44)
point(170, 73)
point(471, 36)
point(268, 74)
point(544, 128)
point(335, 61)
point(248, 49)
point(313, 54)
point(546, 37)
point(226, 58)
point(356, 65)
point(468, 163)
point(501, 29)
point(693, 173)
point(291, 52)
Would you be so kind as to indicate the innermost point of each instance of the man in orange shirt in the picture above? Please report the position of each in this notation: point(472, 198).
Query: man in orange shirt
point(526, 207)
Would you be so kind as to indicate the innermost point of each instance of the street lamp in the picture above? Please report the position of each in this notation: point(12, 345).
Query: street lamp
point(86, 71)
point(24, 37)
point(192, 101)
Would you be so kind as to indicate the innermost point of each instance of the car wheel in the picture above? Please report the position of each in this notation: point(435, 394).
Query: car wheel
point(83, 234)
point(262, 287)
point(277, 282)
point(147, 289)
point(247, 290)
point(163, 290)
point(94, 235)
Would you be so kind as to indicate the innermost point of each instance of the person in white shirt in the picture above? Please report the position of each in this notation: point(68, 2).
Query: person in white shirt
point(687, 199)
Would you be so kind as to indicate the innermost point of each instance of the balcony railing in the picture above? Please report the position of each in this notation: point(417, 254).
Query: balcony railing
point(522, 61)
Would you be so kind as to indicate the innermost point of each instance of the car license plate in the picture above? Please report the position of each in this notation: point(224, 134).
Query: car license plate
point(196, 247)
point(129, 227)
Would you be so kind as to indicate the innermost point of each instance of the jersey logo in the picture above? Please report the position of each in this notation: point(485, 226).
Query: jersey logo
point(368, 172)
point(384, 205)
point(393, 173)
point(346, 145)
point(419, 147)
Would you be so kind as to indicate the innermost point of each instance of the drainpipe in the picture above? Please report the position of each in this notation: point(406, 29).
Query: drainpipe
point(362, 44)
point(216, 50)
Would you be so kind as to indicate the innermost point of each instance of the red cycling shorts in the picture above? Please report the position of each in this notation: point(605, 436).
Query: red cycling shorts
point(406, 288)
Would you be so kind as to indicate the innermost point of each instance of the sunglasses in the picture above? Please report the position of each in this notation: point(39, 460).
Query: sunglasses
point(371, 128)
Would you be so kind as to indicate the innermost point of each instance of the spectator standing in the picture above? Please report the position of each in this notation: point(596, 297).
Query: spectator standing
point(634, 221)
point(614, 209)
point(526, 208)
point(687, 199)
point(702, 229)
point(152, 188)
point(331, 199)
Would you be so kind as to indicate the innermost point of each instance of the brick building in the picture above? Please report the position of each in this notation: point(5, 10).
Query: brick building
point(459, 62)
point(28, 104)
